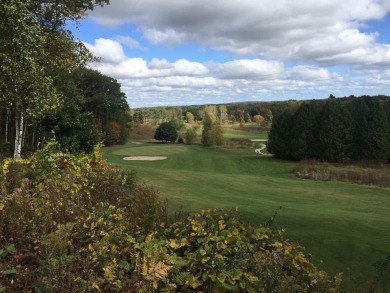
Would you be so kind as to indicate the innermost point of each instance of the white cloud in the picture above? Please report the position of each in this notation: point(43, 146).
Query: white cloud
point(168, 37)
point(184, 67)
point(159, 81)
point(108, 50)
point(310, 73)
point(129, 41)
point(321, 32)
point(248, 69)
point(115, 63)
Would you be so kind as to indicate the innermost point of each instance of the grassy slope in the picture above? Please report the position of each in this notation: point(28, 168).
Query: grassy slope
point(344, 226)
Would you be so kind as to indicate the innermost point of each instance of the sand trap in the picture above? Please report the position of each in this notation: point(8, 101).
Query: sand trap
point(144, 158)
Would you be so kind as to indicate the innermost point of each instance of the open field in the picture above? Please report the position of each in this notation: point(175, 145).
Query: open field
point(344, 226)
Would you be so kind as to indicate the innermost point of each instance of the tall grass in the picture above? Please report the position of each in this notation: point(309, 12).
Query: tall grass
point(367, 173)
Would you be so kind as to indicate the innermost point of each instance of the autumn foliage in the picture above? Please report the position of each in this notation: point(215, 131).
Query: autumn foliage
point(74, 224)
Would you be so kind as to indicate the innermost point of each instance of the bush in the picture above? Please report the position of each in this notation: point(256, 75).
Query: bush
point(46, 200)
point(215, 251)
point(166, 132)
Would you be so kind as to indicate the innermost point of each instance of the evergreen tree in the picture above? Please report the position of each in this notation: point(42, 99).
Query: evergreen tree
point(166, 132)
point(334, 132)
point(279, 139)
point(378, 130)
point(303, 132)
point(361, 114)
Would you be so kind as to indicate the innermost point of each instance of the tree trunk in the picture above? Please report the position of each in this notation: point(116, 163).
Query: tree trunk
point(24, 134)
point(7, 124)
point(19, 125)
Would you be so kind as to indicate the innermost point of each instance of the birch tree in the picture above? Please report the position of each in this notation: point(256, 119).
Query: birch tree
point(26, 89)
point(34, 44)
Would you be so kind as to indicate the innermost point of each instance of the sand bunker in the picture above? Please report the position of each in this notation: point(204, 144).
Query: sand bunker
point(144, 158)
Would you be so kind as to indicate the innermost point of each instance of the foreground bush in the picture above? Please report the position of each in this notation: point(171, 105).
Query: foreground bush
point(74, 224)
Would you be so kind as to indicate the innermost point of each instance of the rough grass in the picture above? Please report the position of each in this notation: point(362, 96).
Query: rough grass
point(361, 173)
point(344, 226)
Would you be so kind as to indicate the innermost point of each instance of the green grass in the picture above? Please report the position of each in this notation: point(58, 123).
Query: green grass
point(245, 134)
point(344, 226)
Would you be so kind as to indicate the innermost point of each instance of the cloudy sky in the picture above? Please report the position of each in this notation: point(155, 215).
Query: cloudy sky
point(181, 52)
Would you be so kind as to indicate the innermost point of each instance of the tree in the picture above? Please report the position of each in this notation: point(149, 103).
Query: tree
point(103, 97)
point(212, 134)
point(258, 119)
point(248, 117)
point(191, 134)
point(35, 44)
point(166, 132)
point(26, 87)
point(190, 117)
point(279, 138)
point(303, 132)
point(74, 129)
point(268, 118)
point(375, 131)
point(334, 132)
point(223, 113)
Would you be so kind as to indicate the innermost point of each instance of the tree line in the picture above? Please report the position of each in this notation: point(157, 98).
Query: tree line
point(45, 90)
point(258, 113)
point(336, 129)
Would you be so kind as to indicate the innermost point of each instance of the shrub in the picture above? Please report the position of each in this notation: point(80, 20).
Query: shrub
point(166, 132)
point(217, 252)
point(44, 202)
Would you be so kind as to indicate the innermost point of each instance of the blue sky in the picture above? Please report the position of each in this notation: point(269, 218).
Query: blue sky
point(182, 52)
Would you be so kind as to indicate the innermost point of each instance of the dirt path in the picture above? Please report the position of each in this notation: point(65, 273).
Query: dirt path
point(260, 150)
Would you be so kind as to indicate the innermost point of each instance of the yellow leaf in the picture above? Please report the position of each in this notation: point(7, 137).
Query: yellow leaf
point(252, 278)
point(221, 225)
point(95, 286)
point(236, 274)
point(173, 244)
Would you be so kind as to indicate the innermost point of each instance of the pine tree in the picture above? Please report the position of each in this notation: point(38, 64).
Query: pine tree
point(334, 131)
point(279, 139)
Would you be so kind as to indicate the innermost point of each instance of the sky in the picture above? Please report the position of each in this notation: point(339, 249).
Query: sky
point(195, 52)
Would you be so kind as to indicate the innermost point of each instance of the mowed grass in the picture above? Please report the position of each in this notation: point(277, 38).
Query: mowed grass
point(245, 134)
point(345, 227)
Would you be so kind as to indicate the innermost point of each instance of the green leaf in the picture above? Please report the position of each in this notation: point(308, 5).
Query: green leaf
point(221, 277)
point(10, 249)
point(10, 272)
point(236, 274)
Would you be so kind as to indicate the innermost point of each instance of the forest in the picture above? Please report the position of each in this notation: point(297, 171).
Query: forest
point(334, 130)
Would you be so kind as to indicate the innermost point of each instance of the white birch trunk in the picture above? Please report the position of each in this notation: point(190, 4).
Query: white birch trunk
point(19, 133)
